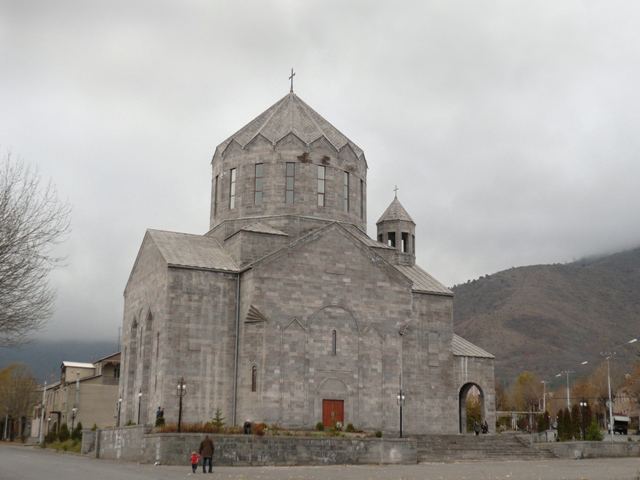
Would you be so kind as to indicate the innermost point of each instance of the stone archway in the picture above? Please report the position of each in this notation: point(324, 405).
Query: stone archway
point(475, 390)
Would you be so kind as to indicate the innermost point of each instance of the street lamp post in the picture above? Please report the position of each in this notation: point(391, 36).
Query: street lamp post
point(42, 413)
point(400, 398)
point(119, 409)
point(74, 412)
point(139, 404)
point(544, 396)
point(181, 392)
point(583, 413)
point(567, 373)
point(608, 356)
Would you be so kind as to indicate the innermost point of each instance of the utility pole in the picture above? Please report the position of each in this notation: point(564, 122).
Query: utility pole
point(44, 405)
point(567, 372)
point(544, 396)
point(608, 356)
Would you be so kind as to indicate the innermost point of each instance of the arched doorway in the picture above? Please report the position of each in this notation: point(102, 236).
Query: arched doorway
point(470, 406)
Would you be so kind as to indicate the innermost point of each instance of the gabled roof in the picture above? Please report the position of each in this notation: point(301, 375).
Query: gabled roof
point(109, 357)
point(187, 250)
point(464, 348)
point(260, 227)
point(370, 242)
point(77, 364)
point(291, 115)
point(422, 281)
point(395, 211)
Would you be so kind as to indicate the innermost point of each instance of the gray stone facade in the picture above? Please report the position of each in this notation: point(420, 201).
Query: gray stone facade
point(286, 302)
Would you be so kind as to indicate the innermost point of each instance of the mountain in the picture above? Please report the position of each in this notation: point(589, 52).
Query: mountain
point(548, 318)
point(45, 357)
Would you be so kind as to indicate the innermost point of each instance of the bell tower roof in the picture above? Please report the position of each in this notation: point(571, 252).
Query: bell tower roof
point(395, 211)
point(291, 115)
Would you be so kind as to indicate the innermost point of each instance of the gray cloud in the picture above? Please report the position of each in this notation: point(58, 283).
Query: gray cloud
point(509, 126)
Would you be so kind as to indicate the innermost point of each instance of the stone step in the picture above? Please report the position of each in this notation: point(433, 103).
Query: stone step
point(450, 448)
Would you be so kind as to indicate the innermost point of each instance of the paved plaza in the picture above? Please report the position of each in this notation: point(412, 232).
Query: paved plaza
point(27, 463)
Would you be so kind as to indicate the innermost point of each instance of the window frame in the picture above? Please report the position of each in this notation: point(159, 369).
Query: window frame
point(346, 181)
point(321, 182)
point(258, 184)
point(334, 342)
point(232, 188)
point(254, 378)
point(286, 183)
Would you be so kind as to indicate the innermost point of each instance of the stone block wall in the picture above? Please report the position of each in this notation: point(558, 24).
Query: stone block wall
point(144, 334)
point(201, 326)
point(133, 444)
point(480, 372)
point(274, 159)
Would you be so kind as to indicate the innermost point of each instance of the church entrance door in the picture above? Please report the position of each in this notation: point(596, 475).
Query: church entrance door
point(332, 412)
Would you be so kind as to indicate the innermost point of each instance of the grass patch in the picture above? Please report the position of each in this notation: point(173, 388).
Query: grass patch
point(66, 446)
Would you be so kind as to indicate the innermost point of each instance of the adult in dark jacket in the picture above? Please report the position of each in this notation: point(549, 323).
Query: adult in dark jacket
point(206, 452)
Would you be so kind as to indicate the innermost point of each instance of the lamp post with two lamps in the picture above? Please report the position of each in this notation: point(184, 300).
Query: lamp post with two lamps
point(583, 416)
point(181, 392)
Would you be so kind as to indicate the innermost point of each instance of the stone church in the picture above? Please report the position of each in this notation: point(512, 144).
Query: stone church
point(285, 311)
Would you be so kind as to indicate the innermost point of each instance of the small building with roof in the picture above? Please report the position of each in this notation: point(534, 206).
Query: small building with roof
point(85, 393)
point(286, 311)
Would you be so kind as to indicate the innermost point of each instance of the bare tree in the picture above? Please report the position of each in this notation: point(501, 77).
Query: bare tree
point(18, 394)
point(32, 221)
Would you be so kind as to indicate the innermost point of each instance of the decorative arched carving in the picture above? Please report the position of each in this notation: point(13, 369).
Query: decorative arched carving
point(317, 313)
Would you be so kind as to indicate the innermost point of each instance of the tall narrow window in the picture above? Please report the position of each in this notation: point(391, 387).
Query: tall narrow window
point(345, 191)
point(290, 178)
point(413, 244)
point(321, 178)
point(215, 196)
point(405, 242)
point(380, 238)
point(334, 342)
point(362, 199)
point(254, 378)
point(391, 239)
point(257, 197)
point(232, 189)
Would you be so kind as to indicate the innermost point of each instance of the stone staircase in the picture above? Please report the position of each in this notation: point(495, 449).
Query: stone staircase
point(454, 448)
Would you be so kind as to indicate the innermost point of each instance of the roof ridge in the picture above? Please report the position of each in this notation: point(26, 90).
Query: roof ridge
point(269, 117)
point(320, 129)
point(347, 139)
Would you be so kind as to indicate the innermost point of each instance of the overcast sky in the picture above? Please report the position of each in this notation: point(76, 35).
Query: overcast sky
point(510, 127)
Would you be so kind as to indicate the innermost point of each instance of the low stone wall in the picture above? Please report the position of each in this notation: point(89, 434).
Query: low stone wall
point(124, 443)
point(591, 449)
point(136, 444)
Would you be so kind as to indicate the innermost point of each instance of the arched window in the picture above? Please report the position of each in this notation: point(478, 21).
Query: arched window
point(254, 378)
point(334, 342)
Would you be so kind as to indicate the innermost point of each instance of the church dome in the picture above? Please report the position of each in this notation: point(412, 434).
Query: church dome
point(287, 161)
point(291, 115)
point(395, 211)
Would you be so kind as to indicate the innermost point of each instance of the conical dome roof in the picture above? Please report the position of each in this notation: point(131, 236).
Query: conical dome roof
point(291, 115)
point(395, 211)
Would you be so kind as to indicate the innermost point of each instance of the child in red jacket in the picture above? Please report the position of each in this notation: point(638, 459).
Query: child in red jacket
point(195, 458)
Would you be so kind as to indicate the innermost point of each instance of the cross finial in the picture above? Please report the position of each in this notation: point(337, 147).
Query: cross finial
point(395, 191)
point(291, 78)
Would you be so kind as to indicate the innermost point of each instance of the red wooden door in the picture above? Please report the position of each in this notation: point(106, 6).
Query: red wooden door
point(332, 412)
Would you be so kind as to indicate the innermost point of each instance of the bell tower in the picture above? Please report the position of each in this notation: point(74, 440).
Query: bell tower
point(398, 230)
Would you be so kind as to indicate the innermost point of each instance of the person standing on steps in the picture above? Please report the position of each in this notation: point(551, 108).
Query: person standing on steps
point(476, 428)
point(206, 451)
point(485, 426)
